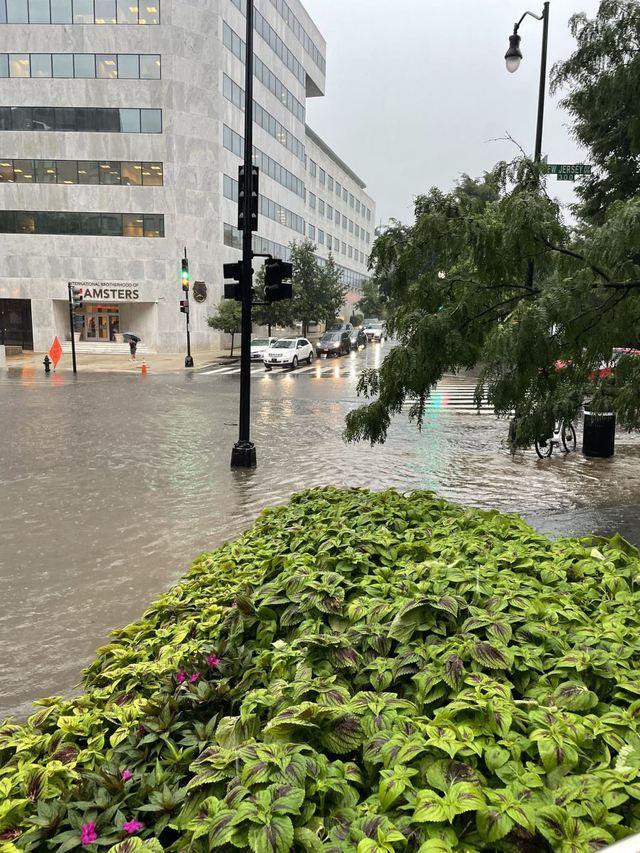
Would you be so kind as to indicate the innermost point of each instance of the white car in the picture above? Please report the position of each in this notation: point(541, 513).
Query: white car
point(259, 346)
point(376, 331)
point(288, 352)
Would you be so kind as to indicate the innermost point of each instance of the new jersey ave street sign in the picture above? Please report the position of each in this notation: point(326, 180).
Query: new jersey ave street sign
point(567, 171)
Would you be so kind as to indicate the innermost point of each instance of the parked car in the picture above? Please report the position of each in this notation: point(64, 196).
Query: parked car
point(358, 339)
point(334, 343)
point(259, 346)
point(376, 331)
point(288, 352)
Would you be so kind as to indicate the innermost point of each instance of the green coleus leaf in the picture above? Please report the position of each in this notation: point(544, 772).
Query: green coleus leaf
point(460, 798)
point(454, 671)
point(493, 824)
point(491, 655)
point(276, 836)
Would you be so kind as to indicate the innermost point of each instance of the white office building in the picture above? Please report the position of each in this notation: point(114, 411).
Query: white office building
point(121, 133)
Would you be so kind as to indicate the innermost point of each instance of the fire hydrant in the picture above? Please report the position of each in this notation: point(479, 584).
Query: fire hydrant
point(47, 364)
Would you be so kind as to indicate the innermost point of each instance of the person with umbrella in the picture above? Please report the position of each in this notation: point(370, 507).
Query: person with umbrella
point(133, 343)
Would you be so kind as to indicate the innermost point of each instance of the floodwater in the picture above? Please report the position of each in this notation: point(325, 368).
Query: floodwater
point(111, 484)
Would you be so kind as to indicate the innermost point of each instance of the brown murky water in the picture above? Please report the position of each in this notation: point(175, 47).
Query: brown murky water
point(111, 484)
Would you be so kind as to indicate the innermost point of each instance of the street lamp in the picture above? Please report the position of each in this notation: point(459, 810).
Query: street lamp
point(513, 58)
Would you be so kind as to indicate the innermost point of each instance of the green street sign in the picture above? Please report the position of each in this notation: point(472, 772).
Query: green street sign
point(567, 169)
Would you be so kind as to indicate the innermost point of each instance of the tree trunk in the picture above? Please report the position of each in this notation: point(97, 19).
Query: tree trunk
point(304, 328)
point(233, 334)
point(269, 329)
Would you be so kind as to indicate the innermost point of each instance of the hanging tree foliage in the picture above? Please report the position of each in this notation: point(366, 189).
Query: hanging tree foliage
point(456, 286)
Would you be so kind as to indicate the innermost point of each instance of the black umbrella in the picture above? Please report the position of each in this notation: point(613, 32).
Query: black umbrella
point(129, 336)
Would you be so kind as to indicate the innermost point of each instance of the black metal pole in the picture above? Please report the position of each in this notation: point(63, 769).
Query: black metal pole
point(73, 340)
point(540, 120)
point(188, 361)
point(243, 454)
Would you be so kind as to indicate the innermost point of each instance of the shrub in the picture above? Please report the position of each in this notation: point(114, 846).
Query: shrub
point(367, 672)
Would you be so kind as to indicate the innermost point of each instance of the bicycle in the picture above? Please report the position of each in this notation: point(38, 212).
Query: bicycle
point(564, 436)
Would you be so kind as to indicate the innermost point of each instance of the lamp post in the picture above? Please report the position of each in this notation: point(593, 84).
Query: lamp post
point(513, 58)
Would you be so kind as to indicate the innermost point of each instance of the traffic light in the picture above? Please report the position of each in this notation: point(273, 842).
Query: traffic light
point(184, 276)
point(255, 197)
point(184, 306)
point(233, 291)
point(77, 297)
point(275, 286)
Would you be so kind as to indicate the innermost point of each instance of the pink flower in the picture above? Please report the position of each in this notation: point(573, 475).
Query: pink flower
point(132, 826)
point(213, 661)
point(194, 677)
point(126, 775)
point(180, 676)
point(88, 833)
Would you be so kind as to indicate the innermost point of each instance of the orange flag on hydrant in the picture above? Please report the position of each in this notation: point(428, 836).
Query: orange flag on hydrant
point(55, 353)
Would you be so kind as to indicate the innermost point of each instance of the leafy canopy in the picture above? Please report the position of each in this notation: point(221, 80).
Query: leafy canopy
point(318, 291)
point(227, 317)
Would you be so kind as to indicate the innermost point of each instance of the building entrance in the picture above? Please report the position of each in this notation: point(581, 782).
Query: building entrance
point(16, 328)
point(101, 322)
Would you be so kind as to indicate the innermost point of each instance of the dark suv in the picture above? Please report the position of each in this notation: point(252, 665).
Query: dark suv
point(334, 343)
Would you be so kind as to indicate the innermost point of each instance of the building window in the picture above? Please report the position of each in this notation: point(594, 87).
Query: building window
point(345, 194)
point(320, 207)
point(351, 251)
point(81, 119)
point(338, 188)
point(313, 169)
point(233, 142)
point(267, 207)
point(322, 177)
point(352, 200)
point(312, 201)
point(88, 224)
point(233, 238)
point(79, 12)
point(330, 183)
point(344, 222)
point(320, 236)
point(81, 65)
point(357, 205)
point(351, 226)
point(81, 172)
point(329, 212)
point(329, 242)
point(312, 232)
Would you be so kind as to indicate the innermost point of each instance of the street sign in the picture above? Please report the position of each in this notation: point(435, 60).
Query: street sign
point(55, 353)
point(570, 169)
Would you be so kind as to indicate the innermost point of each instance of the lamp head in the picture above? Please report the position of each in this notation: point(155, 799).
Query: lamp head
point(513, 56)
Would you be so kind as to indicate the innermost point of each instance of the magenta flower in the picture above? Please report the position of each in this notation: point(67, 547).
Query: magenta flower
point(194, 677)
point(126, 775)
point(132, 826)
point(180, 676)
point(213, 661)
point(88, 833)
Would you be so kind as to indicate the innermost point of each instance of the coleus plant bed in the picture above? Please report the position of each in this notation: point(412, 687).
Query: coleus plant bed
point(360, 672)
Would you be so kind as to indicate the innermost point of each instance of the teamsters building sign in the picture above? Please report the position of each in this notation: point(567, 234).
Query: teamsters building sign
point(109, 291)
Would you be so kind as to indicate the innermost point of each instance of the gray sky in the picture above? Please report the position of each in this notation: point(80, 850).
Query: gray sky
point(417, 89)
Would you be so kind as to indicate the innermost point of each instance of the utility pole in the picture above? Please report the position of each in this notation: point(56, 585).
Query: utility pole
point(184, 305)
point(75, 300)
point(243, 454)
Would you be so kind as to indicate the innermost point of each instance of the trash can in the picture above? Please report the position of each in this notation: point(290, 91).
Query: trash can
point(599, 434)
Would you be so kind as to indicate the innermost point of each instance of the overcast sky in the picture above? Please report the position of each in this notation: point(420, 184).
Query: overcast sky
point(417, 89)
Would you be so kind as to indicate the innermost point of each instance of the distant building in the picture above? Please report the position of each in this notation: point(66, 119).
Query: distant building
point(121, 132)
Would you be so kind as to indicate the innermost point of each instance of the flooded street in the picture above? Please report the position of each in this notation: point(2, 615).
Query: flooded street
point(111, 484)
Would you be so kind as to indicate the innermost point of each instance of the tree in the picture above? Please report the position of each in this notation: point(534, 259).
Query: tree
point(456, 288)
point(370, 305)
point(307, 302)
point(227, 318)
point(602, 78)
point(277, 314)
point(332, 289)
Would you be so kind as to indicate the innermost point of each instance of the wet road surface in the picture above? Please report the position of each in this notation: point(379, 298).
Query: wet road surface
point(111, 484)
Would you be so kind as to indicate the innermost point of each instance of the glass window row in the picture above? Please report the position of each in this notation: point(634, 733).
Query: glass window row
point(297, 28)
point(233, 239)
point(79, 12)
point(237, 46)
point(81, 119)
point(261, 117)
point(325, 178)
point(89, 224)
point(269, 35)
point(267, 207)
point(235, 143)
point(128, 174)
point(117, 66)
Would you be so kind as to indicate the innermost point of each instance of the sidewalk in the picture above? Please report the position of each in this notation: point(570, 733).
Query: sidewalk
point(120, 363)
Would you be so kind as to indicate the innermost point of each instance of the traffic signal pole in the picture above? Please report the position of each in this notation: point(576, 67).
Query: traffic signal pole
point(73, 339)
point(243, 454)
point(188, 361)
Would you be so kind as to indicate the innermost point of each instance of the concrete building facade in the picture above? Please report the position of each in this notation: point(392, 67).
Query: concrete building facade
point(121, 132)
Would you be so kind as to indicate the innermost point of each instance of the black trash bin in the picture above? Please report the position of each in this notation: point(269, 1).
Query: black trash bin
point(599, 434)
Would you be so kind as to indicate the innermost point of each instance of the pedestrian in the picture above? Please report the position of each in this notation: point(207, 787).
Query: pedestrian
point(133, 345)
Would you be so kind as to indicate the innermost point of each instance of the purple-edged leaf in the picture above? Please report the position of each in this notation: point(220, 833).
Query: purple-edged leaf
point(490, 655)
point(454, 671)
